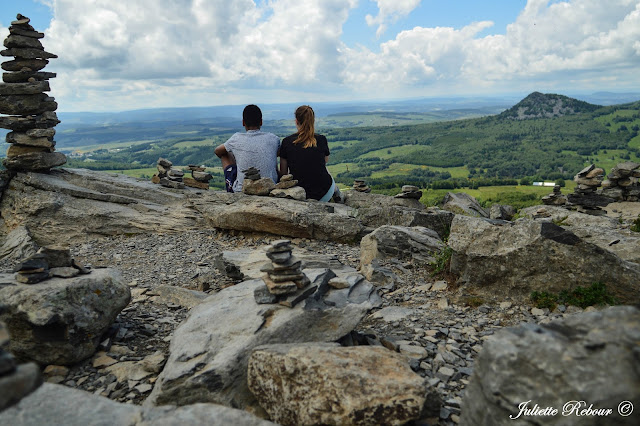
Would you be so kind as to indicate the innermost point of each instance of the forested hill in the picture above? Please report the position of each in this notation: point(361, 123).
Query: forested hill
point(539, 105)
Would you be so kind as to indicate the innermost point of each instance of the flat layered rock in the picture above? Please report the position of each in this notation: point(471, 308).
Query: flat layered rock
point(24, 88)
point(36, 161)
point(27, 104)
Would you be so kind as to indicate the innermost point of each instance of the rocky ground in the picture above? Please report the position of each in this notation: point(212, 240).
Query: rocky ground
point(420, 317)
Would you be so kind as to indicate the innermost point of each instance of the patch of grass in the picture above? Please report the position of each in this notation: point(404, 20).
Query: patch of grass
point(544, 299)
point(595, 294)
point(442, 261)
point(474, 301)
point(636, 225)
point(561, 221)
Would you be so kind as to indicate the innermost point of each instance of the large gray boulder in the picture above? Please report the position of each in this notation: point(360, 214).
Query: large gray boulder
point(514, 259)
point(18, 245)
point(56, 404)
point(585, 359)
point(66, 205)
point(210, 349)
point(606, 232)
point(463, 203)
point(279, 216)
point(375, 210)
point(415, 243)
point(60, 320)
point(311, 383)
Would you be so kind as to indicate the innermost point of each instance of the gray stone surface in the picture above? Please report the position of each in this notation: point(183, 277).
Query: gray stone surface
point(37, 161)
point(60, 321)
point(70, 407)
point(463, 203)
point(328, 384)
point(415, 243)
point(210, 350)
point(606, 232)
point(18, 244)
point(514, 259)
point(16, 385)
point(590, 357)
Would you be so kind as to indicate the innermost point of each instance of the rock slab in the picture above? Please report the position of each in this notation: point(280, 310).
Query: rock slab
point(415, 243)
point(328, 384)
point(210, 349)
point(590, 357)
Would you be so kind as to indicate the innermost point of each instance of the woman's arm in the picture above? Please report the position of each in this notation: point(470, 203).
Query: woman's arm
point(326, 159)
point(284, 167)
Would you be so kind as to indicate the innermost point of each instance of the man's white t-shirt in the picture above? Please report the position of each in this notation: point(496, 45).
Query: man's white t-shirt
point(254, 148)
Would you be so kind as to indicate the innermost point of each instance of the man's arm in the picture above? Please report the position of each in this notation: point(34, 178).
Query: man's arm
point(284, 167)
point(224, 156)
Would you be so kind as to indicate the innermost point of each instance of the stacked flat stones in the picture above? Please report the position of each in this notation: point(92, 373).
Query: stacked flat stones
point(360, 186)
point(46, 263)
point(199, 177)
point(622, 184)
point(31, 112)
point(586, 193)
point(285, 283)
point(288, 188)
point(556, 198)
point(167, 176)
point(254, 184)
point(410, 191)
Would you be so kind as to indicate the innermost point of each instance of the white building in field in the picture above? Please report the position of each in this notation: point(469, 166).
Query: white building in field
point(544, 184)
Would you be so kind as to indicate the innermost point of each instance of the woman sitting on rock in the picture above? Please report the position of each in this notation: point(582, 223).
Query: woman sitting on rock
point(305, 155)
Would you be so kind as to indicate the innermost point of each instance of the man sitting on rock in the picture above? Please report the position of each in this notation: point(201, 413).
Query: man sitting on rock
point(252, 148)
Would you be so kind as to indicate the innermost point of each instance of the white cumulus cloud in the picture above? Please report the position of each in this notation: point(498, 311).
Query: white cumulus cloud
point(390, 11)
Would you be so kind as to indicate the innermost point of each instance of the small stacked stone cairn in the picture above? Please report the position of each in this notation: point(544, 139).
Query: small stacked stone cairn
point(288, 188)
point(285, 283)
point(556, 198)
point(199, 177)
point(31, 112)
point(360, 186)
point(623, 183)
point(586, 194)
point(254, 184)
point(167, 176)
point(16, 381)
point(410, 191)
point(46, 263)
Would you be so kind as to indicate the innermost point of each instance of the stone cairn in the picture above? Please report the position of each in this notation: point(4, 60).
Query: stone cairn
point(586, 196)
point(285, 283)
point(288, 188)
point(623, 183)
point(167, 176)
point(16, 381)
point(199, 177)
point(48, 262)
point(360, 186)
point(254, 184)
point(410, 191)
point(556, 198)
point(31, 112)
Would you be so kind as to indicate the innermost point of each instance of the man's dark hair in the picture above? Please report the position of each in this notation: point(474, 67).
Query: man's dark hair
point(252, 116)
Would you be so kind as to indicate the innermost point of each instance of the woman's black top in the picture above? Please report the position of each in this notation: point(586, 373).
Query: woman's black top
point(307, 165)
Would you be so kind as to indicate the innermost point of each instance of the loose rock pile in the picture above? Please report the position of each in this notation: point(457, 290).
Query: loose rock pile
point(284, 280)
point(167, 176)
point(288, 188)
point(254, 184)
point(32, 112)
point(556, 198)
point(199, 177)
point(623, 183)
point(360, 186)
point(46, 263)
point(410, 191)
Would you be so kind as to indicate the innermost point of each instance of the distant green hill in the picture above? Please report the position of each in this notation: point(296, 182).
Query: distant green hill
point(539, 105)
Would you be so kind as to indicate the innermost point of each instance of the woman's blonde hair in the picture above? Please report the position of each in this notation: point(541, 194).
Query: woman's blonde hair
point(306, 132)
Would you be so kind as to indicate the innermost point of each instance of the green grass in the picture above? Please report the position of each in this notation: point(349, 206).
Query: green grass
point(395, 151)
point(595, 294)
point(108, 146)
point(607, 159)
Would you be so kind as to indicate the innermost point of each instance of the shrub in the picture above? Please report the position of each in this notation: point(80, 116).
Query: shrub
point(442, 260)
point(636, 225)
point(543, 299)
point(595, 294)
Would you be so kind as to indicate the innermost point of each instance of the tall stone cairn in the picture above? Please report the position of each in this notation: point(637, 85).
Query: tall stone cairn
point(31, 112)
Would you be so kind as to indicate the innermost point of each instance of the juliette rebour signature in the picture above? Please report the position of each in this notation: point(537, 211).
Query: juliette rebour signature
point(572, 408)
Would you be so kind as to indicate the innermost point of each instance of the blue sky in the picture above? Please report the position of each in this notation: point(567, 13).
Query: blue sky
point(125, 54)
